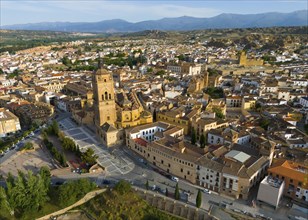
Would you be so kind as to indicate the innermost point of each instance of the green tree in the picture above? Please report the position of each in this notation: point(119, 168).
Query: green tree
point(199, 199)
point(46, 176)
point(89, 156)
point(160, 73)
point(167, 193)
point(55, 127)
point(202, 141)
point(147, 185)
point(123, 187)
point(218, 113)
point(72, 191)
point(193, 136)
point(28, 146)
point(177, 192)
point(66, 61)
point(4, 204)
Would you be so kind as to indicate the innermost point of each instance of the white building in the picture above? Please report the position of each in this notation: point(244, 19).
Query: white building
point(304, 101)
point(271, 191)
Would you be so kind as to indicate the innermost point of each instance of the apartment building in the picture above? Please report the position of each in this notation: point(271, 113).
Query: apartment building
point(179, 117)
point(9, 123)
point(231, 171)
point(203, 125)
point(294, 175)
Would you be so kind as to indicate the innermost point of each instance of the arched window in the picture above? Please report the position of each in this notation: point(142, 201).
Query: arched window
point(105, 80)
point(106, 96)
point(109, 96)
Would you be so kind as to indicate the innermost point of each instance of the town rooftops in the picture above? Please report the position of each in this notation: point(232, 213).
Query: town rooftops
point(238, 155)
point(290, 169)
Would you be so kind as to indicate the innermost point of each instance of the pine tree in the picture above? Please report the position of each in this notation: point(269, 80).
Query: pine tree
point(167, 193)
point(193, 136)
point(147, 185)
point(177, 192)
point(202, 141)
point(199, 199)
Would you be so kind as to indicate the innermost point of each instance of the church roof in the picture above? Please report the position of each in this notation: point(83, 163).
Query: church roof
point(108, 127)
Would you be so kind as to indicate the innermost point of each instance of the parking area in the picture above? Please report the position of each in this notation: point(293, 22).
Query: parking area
point(115, 162)
point(29, 160)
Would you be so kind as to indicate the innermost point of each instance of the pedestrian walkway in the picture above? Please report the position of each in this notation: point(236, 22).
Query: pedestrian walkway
point(86, 198)
point(115, 162)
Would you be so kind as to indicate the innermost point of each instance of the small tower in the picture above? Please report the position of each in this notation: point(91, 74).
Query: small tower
point(243, 59)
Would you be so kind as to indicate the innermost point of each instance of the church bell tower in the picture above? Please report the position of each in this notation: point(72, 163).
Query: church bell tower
point(104, 100)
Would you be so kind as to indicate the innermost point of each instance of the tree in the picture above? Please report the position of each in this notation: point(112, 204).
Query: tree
point(55, 127)
point(167, 193)
point(46, 176)
point(193, 136)
point(199, 199)
point(202, 141)
point(177, 192)
point(72, 191)
point(218, 113)
point(123, 187)
point(28, 146)
point(66, 61)
point(147, 185)
point(89, 156)
point(154, 115)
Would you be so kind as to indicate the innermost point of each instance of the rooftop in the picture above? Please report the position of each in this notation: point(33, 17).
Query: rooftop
point(238, 155)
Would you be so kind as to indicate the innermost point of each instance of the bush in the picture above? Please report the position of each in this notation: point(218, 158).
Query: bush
point(28, 146)
point(72, 191)
point(123, 187)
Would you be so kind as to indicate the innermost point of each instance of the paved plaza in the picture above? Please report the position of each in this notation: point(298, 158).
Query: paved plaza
point(115, 162)
point(24, 161)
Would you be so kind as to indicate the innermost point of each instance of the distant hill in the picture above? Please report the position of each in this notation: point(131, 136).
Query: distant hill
point(185, 23)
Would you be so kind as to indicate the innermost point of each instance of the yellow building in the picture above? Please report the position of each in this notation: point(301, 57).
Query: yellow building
point(9, 123)
point(179, 117)
point(203, 125)
point(244, 61)
point(217, 104)
point(130, 111)
point(248, 103)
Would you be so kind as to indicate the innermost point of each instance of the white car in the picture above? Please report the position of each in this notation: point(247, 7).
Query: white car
point(175, 179)
point(207, 191)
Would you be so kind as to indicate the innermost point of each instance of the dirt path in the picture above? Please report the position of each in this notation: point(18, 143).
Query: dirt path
point(86, 198)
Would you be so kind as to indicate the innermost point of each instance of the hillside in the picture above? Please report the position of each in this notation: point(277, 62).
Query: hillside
point(184, 23)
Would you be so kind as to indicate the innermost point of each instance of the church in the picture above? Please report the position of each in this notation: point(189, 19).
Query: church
point(111, 113)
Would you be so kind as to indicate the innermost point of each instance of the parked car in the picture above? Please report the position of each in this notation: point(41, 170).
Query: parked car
point(207, 191)
point(175, 179)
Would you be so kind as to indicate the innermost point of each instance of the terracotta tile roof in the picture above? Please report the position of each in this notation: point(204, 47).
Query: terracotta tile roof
point(140, 141)
point(291, 170)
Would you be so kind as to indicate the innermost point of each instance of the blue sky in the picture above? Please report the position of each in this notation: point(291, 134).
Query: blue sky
point(21, 11)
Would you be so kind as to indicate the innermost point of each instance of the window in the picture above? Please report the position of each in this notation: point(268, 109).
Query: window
point(108, 118)
point(106, 95)
point(299, 184)
point(181, 170)
point(291, 180)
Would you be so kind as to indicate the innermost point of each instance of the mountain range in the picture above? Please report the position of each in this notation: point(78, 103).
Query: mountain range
point(185, 23)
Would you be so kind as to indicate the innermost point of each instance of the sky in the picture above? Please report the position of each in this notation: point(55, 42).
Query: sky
point(22, 11)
